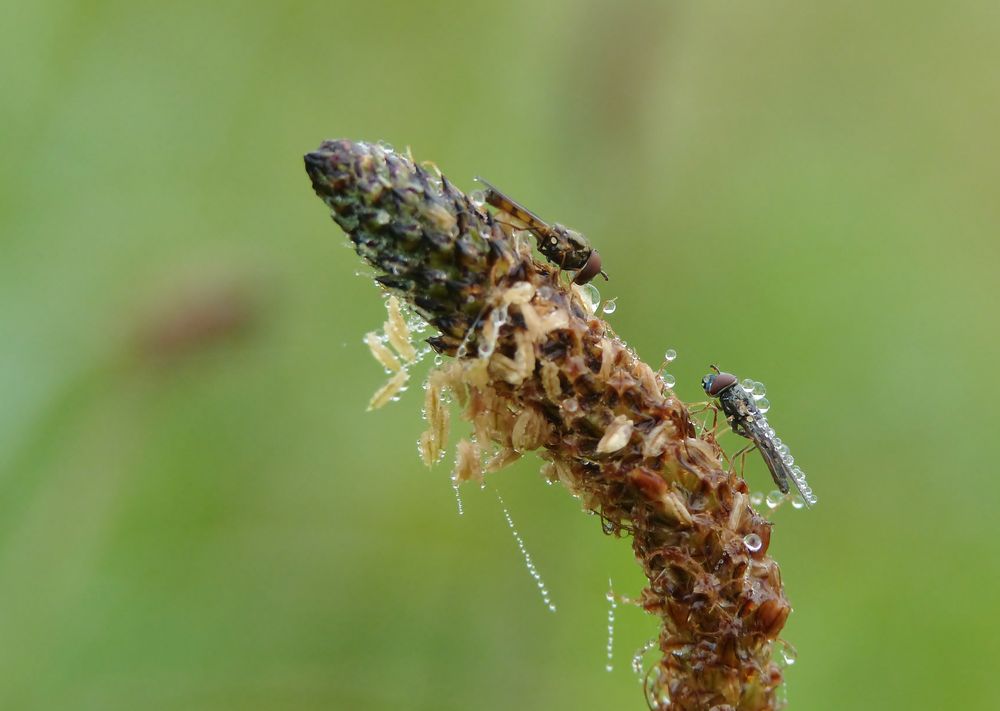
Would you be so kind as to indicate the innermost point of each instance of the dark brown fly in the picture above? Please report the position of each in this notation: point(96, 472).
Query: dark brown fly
point(566, 248)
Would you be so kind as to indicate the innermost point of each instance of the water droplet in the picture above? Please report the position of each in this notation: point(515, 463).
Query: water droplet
point(782, 448)
point(756, 498)
point(683, 652)
point(763, 404)
point(786, 652)
point(613, 603)
point(639, 654)
point(478, 198)
point(524, 553)
point(438, 359)
point(669, 380)
point(759, 389)
point(591, 296)
point(657, 693)
point(570, 405)
point(670, 355)
point(770, 432)
point(788, 459)
point(610, 306)
point(747, 385)
point(774, 499)
point(753, 542)
point(458, 496)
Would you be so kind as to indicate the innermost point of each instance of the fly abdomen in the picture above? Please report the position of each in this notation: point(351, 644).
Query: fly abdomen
point(780, 471)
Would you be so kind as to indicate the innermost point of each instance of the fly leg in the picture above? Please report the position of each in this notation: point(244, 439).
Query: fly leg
point(716, 430)
point(739, 427)
point(704, 407)
point(695, 407)
point(559, 270)
point(742, 456)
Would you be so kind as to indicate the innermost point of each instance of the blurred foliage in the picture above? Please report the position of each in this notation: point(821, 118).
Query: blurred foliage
point(195, 510)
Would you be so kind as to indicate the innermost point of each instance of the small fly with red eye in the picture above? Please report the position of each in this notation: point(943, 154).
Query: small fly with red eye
point(747, 420)
point(566, 248)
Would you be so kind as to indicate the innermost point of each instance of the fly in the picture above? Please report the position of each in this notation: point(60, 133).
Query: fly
point(748, 421)
point(566, 248)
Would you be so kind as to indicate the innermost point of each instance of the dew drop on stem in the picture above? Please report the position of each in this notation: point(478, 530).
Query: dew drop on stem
point(532, 570)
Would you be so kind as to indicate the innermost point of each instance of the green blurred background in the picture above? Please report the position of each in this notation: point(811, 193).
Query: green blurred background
point(196, 512)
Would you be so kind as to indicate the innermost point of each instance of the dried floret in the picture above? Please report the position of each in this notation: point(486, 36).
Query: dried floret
point(468, 466)
point(397, 331)
point(435, 437)
point(388, 391)
point(616, 436)
point(382, 354)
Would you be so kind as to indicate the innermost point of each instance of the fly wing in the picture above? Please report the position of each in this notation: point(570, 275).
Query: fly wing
point(495, 197)
point(780, 472)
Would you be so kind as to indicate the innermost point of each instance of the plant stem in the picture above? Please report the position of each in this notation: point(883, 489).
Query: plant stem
point(537, 369)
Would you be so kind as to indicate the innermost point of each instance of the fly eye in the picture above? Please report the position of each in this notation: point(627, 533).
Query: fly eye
point(589, 270)
point(720, 382)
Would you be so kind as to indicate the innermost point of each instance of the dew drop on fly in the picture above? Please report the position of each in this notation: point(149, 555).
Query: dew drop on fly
point(610, 306)
point(670, 355)
point(753, 542)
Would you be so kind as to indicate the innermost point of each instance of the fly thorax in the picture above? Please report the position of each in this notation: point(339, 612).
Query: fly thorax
point(573, 247)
